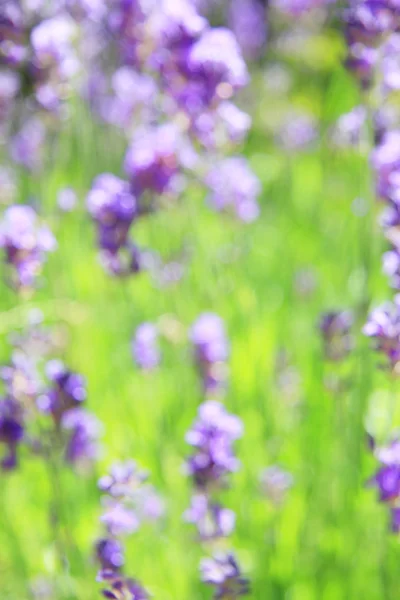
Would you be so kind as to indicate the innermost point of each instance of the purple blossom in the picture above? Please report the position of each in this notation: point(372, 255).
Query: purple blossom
point(113, 207)
point(211, 519)
point(146, 353)
point(118, 519)
point(212, 436)
point(211, 349)
point(395, 523)
point(386, 163)
point(11, 431)
point(123, 480)
point(25, 243)
point(223, 573)
point(349, 127)
point(110, 554)
point(215, 63)
point(153, 158)
point(383, 326)
point(298, 132)
point(122, 588)
point(68, 390)
point(84, 430)
point(234, 186)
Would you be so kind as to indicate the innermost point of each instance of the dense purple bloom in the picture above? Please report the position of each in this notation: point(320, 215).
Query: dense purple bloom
point(145, 349)
point(84, 430)
point(386, 163)
point(154, 157)
point(212, 436)
point(122, 588)
point(211, 349)
point(113, 207)
point(211, 519)
point(275, 483)
point(119, 519)
point(223, 573)
point(68, 390)
point(234, 186)
point(215, 63)
point(383, 325)
point(391, 267)
point(110, 554)
point(11, 431)
point(335, 328)
point(25, 243)
point(387, 480)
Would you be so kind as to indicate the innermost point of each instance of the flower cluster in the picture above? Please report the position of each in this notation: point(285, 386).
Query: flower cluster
point(38, 66)
point(146, 353)
point(172, 94)
point(212, 436)
point(127, 501)
point(211, 350)
point(42, 406)
point(25, 243)
point(387, 479)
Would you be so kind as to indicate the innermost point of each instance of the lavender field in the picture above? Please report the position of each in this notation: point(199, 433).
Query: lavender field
point(199, 319)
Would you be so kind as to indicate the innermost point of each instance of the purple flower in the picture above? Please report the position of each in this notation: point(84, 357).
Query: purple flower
point(211, 348)
point(25, 243)
point(335, 328)
point(118, 519)
point(110, 554)
point(234, 186)
point(11, 431)
point(383, 326)
point(212, 436)
point(223, 573)
point(387, 480)
point(145, 349)
point(211, 519)
point(216, 64)
point(123, 480)
point(349, 127)
point(84, 430)
point(68, 390)
point(153, 158)
point(386, 163)
point(122, 588)
point(113, 207)
point(395, 524)
point(298, 132)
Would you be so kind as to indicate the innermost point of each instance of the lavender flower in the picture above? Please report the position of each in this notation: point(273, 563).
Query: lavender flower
point(122, 588)
point(211, 350)
point(110, 554)
point(212, 520)
point(27, 145)
point(248, 21)
point(11, 431)
point(234, 185)
point(84, 430)
point(383, 326)
point(145, 349)
point(113, 207)
point(25, 243)
point(223, 573)
point(212, 436)
point(68, 390)
point(335, 328)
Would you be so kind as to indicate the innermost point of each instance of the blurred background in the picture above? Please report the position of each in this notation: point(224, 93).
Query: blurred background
point(272, 245)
